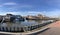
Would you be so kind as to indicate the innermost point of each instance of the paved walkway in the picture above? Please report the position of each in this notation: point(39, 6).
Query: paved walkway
point(54, 29)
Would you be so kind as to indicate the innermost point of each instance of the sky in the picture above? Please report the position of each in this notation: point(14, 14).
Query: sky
point(30, 7)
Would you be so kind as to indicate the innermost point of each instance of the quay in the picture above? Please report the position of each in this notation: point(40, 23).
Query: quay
point(25, 33)
point(27, 29)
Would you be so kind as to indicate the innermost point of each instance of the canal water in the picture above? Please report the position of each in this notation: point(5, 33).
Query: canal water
point(21, 25)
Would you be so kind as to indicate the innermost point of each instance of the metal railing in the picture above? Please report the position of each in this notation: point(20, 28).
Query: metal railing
point(24, 28)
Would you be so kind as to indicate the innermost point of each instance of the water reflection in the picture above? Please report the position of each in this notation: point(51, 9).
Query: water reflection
point(23, 23)
point(27, 25)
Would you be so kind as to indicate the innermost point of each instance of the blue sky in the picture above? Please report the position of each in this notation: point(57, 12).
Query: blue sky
point(30, 7)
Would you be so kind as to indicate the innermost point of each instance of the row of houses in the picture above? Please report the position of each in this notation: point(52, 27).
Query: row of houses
point(39, 16)
point(11, 17)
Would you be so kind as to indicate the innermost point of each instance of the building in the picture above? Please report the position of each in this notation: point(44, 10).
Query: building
point(32, 17)
point(1, 18)
point(9, 17)
point(18, 18)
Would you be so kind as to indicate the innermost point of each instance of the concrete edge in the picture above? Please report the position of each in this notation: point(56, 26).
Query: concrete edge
point(30, 32)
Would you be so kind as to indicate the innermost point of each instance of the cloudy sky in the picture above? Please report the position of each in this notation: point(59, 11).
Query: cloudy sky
point(31, 7)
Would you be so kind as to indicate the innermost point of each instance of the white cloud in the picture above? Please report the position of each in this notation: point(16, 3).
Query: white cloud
point(54, 13)
point(21, 6)
point(10, 3)
point(24, 13)
point(36, 12)
point(4, 13)
point(14, 5)
point(16, 13)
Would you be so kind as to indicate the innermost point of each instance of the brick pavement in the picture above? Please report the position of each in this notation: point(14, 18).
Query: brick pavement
point(54, 29)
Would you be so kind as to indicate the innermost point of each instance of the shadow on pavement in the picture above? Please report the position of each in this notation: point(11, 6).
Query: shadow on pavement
point(31, 34)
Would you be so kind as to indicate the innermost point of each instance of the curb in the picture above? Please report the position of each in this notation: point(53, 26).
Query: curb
point(28, 33)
